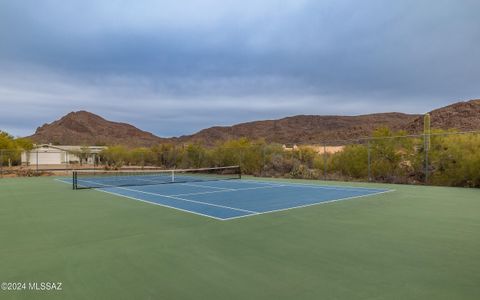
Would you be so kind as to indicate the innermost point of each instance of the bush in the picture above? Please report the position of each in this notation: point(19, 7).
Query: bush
point(12, 148)
point(455, 160)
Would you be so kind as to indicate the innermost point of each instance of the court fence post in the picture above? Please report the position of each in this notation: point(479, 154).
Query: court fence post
point(174, 158)
point(324, 161)
point(369, 161)
point(426, 158)
point(1, 163)
point(199, 160)
point(37, 160)
point(242, 156)
point(426, 140)
point(262, 169)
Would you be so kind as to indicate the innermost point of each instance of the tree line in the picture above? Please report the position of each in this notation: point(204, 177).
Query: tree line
point(445, 158)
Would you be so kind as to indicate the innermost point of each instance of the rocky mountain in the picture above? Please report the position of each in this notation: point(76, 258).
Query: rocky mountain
point(84, 128)
point(78, 128)
point(304, 129)
point(462, 116)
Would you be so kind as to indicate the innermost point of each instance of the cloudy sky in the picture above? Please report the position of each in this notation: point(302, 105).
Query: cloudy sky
point(175, 67)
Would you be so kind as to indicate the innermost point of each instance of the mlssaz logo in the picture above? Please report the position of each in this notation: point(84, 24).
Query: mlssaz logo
point(45, 286)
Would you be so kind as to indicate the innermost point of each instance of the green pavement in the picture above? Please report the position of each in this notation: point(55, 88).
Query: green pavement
point(414, 243)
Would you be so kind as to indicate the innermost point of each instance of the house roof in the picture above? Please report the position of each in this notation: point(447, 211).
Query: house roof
point(70, 148)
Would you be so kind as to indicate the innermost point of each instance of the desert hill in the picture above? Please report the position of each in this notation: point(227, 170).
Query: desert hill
point(462, 116)
point(82, 128)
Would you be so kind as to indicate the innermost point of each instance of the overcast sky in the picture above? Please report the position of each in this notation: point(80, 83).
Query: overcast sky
point(175, 67)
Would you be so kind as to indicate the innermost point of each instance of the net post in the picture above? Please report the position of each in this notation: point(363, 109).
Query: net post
point(74, 180)
point(173, 175)
point(239, 172)
point(37, 160)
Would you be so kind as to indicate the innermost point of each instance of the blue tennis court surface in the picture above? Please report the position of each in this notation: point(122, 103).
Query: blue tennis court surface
point(231, 199)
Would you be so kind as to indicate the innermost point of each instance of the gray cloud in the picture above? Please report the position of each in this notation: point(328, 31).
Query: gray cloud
point(176, 67)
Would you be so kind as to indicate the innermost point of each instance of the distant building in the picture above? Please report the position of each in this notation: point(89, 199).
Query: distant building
point(289, 147)
point(48, 154)
point(320, 149)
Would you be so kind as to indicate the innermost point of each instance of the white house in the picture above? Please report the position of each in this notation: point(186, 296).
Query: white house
point(48, 154)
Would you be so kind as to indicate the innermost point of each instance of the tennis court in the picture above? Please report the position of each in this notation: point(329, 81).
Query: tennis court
point(416, 242)
point(217, 193)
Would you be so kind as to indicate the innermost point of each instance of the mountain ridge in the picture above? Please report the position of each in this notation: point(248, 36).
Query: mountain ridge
point(302, 128)
point(83, 127)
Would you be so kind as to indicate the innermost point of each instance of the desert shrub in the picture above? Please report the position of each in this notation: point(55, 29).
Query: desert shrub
point(351, 162)
point(114, 157)
point(455, 160)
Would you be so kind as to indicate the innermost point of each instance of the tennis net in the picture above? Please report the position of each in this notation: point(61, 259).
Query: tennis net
point(88, 179)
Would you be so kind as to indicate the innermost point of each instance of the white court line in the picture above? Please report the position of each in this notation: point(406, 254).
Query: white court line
point(187, 200)
point(230, 190)
point(156, 182)
point(154, 203)
point(127, 179)
point(206, 186)
point(153, 181)
point(257, 182)
point(307, 205)
point(64, 180)
point(326, 187)
point(164, 205)
point(181, 199)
